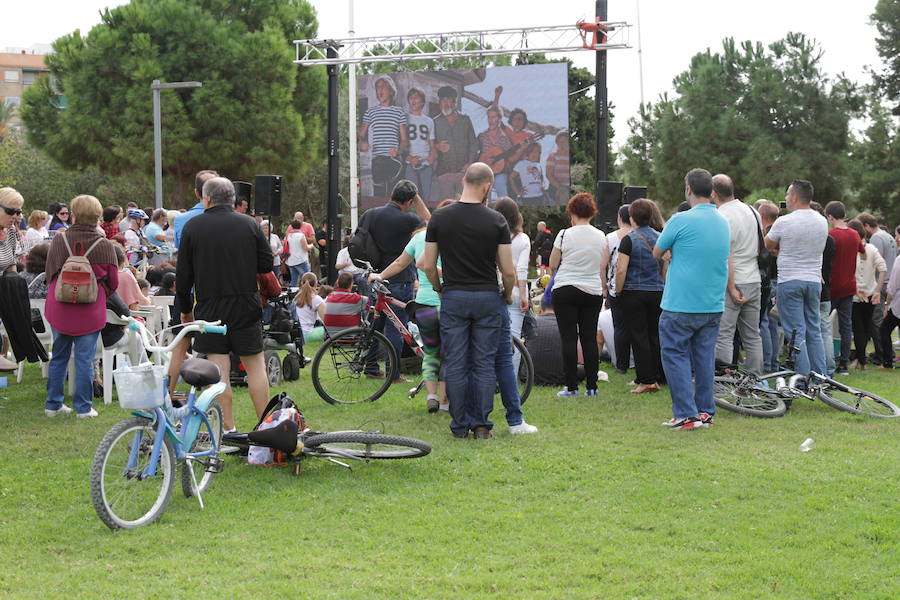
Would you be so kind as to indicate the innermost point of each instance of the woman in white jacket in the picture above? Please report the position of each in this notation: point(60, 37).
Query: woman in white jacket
point(870, 273)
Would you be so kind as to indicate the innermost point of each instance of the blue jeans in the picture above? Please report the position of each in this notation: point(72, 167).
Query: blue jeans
point(506, 373)
point(770, 331)
point(85, 348)
point(687, 343)
point(422, 179)
point(404, 293)
point(298, 271)
point(827, 337)
point(471, 325)
point(798, 306)
point(516, 318)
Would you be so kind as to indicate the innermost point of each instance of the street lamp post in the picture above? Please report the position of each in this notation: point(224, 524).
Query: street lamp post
point(156, 86)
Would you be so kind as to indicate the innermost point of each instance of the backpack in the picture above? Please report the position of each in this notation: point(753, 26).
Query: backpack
point(261, 455)
point(77, 283)
point(362, 245)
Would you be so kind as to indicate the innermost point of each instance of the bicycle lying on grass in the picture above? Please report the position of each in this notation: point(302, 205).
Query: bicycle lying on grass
point(354, 365)
point(297, 441)
point(771, 394)
point(134, 467)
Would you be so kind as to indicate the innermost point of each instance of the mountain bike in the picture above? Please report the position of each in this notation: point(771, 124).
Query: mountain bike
point(297, 441)
point(771, 394)
point(354, 365)
point(134, 467)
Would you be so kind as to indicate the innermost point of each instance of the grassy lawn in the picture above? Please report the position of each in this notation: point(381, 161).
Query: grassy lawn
point(601, 503)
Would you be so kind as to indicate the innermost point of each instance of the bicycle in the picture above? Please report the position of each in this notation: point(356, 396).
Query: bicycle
point(134, 466)
point(356, 363)
point(748, 394)
point(299, 442)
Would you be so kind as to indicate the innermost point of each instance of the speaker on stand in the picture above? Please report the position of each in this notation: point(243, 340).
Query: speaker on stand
point(633, 192)
point(609, 199)
point(243, 191)
point(268, 195)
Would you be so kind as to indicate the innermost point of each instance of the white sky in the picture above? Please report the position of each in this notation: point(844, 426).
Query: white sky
point(671, 33)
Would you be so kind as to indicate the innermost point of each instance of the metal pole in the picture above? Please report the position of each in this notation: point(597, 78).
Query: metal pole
point(354, 156)
point(157, 144)
point(601, 113)
point(334, 220)
point(640, 52)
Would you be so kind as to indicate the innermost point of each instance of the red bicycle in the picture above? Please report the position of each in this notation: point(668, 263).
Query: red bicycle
point(355, 364)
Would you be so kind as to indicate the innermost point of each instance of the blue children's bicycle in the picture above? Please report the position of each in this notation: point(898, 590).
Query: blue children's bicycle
point(134, 467)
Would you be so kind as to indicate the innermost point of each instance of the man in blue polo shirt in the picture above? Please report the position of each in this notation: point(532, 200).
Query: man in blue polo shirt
point(199, 179)
point(693, 301)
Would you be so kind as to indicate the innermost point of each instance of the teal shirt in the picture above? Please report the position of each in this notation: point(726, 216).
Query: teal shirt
point(700, 241)
point(426, 294)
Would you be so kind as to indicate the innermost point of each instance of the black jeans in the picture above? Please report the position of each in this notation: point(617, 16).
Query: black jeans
point(641, 308)
point(887, 347)
point(622, 338)
point(862, 328)
point(576, 318)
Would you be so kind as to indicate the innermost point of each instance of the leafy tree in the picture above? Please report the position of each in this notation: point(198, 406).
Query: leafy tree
point(887, 21)
point(763, 115)
point(7, 113)
point(876, 171)
point(256, 111)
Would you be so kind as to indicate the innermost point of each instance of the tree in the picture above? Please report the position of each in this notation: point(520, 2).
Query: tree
point(7, 113)
point(887, 21)
point(256, 111)
point(763, 115)
point(876, 171)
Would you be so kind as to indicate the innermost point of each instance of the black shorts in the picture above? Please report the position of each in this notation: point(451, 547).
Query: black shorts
point(246, 341)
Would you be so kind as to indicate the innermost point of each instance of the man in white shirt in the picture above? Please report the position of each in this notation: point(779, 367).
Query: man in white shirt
point(742, 296)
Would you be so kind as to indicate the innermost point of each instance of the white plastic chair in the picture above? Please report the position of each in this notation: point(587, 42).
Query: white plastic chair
point(45, 338)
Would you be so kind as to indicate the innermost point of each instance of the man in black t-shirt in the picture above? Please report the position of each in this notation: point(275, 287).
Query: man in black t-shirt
point(221, 253)
point(543, 246)
point(472, 241)
point(391, 227)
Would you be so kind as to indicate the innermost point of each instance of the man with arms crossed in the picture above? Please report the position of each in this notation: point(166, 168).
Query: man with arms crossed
point(742, 300)
point(692, 302)
point(221, 253)
point(799, 240)
point(472, 241)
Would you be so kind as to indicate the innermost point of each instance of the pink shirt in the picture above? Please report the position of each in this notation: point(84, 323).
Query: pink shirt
point(129, 290)
point(81, 319)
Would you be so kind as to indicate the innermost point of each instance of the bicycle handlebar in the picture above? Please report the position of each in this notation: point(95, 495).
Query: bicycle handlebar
point(201, 326)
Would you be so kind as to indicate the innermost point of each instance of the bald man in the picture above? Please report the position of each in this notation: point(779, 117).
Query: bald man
point(472, 241)
point(742, 298)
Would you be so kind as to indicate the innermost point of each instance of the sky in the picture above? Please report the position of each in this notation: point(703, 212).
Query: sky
point(670, 33)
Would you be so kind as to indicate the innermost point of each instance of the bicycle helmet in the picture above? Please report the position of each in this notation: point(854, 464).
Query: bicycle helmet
point(136, 213)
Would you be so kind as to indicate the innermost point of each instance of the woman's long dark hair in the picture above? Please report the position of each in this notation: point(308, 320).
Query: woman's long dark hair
point(54, 210)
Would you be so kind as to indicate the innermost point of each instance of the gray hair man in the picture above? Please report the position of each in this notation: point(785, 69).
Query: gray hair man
point(221, 253)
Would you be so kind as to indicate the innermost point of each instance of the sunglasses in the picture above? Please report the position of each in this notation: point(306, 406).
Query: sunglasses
point(12, 211)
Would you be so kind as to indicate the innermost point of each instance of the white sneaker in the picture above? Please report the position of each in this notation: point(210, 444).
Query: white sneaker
point(88, 415)
point(522, 427)
point(62, 410)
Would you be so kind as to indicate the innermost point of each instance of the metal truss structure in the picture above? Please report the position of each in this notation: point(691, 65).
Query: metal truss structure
point(476, 43)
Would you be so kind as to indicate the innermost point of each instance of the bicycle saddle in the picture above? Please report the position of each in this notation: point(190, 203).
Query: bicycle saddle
point(200, 372)
point(281, 437)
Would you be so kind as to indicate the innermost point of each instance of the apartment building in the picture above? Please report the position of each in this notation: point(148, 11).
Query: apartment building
point(19, 68)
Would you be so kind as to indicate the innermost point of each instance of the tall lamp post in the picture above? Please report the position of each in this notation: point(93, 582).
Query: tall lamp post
point(156, 86)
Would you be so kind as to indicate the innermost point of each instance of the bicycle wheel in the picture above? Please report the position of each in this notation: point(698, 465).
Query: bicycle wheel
point(367, 445)
point(526, 370)
point(353, 366)
point(121, 497)
point(202, 443)
point(857, 402)
point(754, 402)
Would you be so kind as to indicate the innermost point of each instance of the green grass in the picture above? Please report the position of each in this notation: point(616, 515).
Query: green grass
point(601, 503)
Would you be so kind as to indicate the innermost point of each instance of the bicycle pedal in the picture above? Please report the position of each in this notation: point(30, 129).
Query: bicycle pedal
point(214, 464)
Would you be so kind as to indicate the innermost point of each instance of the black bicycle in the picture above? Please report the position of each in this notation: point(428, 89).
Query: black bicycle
point(771, 394)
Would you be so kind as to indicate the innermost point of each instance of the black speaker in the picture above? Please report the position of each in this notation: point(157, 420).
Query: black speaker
point(268, 195)
point(242, 191)
point(609, 199)
point(633, 192)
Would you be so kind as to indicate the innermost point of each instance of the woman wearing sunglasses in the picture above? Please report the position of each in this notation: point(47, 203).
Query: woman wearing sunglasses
point(60, 218)
point(10, 246)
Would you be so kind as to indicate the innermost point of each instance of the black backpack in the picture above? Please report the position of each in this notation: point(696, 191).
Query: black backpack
point(362, 245)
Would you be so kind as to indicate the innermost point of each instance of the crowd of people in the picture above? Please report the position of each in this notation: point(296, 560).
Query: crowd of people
point(720, 281)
